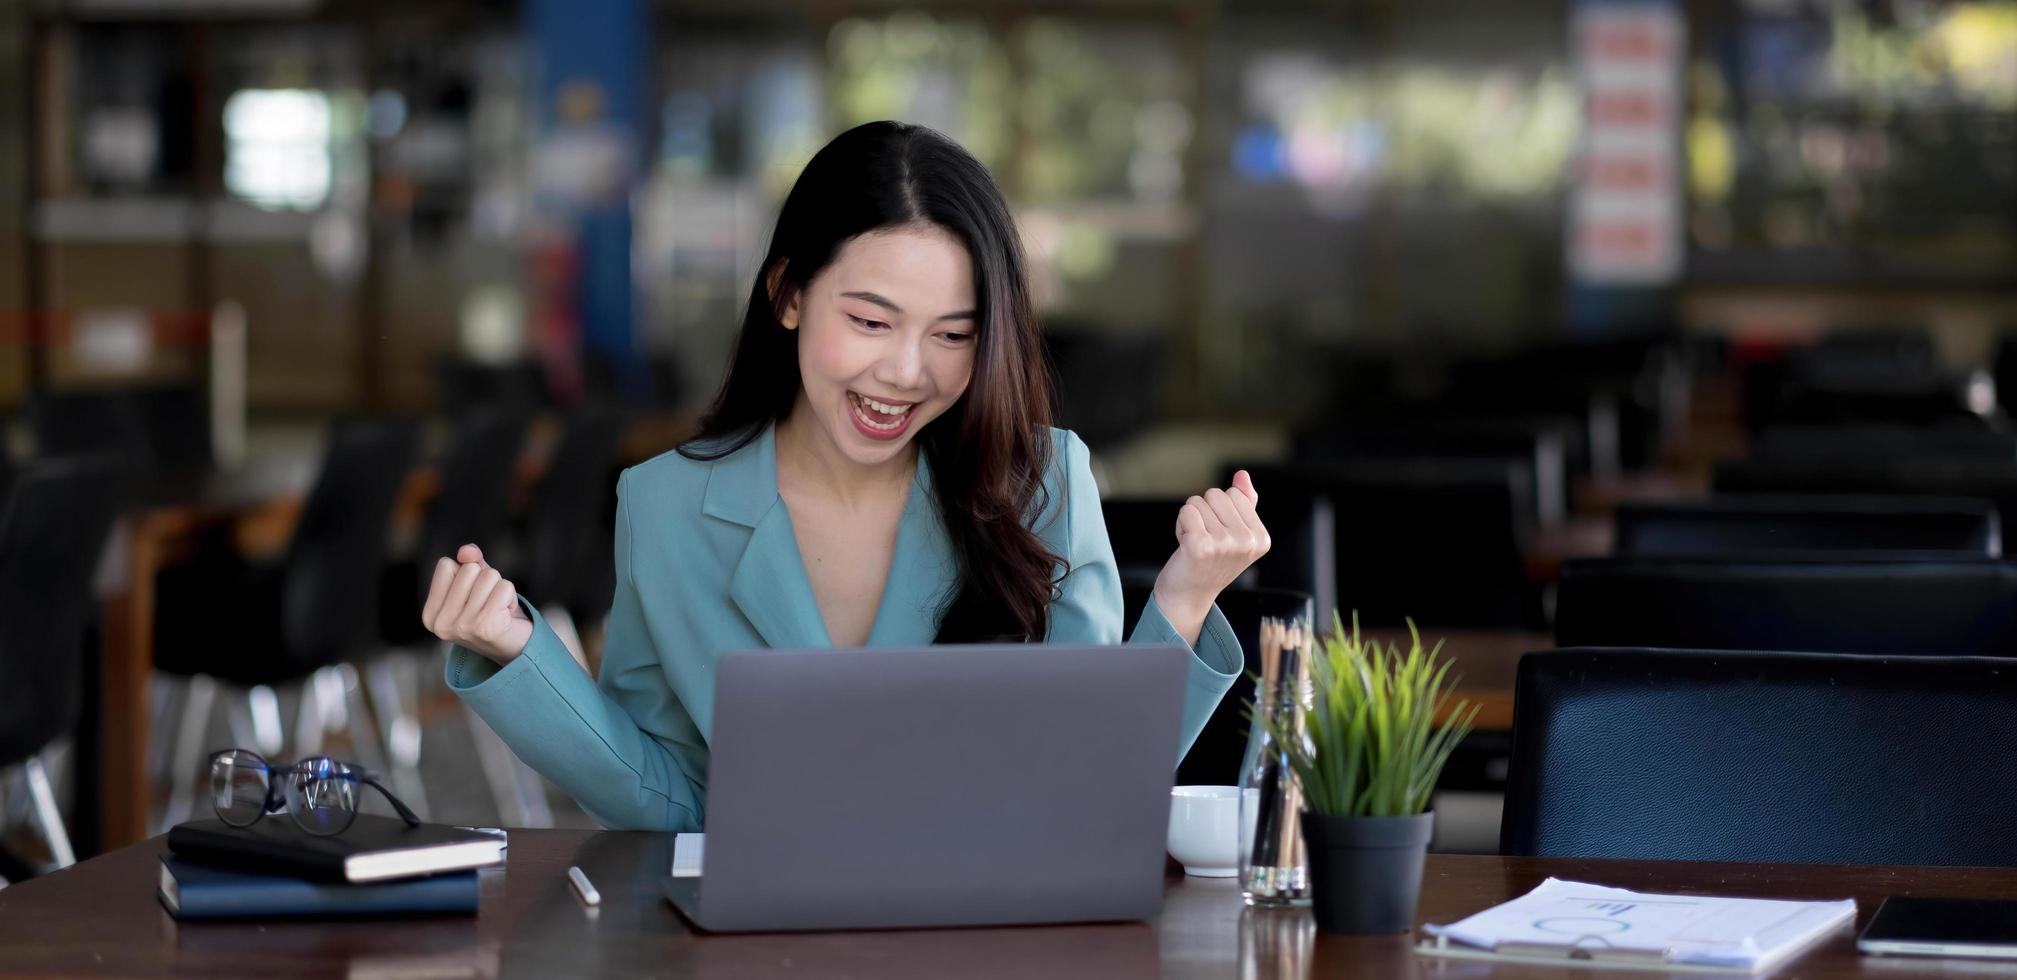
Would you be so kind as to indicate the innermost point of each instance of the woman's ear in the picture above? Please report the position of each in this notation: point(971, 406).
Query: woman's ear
point(786, 307)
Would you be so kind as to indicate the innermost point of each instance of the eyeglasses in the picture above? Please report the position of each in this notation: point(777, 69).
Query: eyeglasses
point(319, 793)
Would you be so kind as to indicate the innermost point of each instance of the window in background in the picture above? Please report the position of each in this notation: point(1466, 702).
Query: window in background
point(294, 118)
point(952, 74)
point(1105, 111)
point(1085, 126)
point(1831, 141)
point(1105, 123)
point(450, 201)
point(1388, 179)
point(740, 111)
point(1342, 130)
point(277, 147)
point(131, 94)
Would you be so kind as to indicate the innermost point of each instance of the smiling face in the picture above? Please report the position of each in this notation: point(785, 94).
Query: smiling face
point(885, 340)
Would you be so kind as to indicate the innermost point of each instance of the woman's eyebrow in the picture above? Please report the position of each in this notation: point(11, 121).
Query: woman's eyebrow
point(878, 300)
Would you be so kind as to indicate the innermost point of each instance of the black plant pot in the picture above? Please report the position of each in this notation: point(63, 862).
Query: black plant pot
point(1366, 872)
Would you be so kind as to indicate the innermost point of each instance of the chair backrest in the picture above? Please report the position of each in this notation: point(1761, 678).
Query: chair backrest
point(1215, 758)
point(1774, 757)
point(1861, 442)
point(476, 481)
point(1440, 541)
point(1107, 384)
point(1911, 399)
point(329, 589)
point(1892, 605)
point(1544, 445)
point(53, 527)
point(1983, 480)
point(462, 382)
point(568, 532)
point(87, 422)
point(1143, 532)
point(1730, 526)
point(176, 420)
point(163, 427)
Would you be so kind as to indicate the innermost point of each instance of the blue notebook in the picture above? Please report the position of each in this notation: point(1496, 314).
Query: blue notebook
point(194, 891)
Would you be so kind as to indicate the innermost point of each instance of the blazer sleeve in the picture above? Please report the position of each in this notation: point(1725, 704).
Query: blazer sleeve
point(585, 737)
point(1089, 607)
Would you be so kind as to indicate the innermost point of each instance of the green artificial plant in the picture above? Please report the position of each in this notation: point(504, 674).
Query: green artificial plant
point(1369, 744)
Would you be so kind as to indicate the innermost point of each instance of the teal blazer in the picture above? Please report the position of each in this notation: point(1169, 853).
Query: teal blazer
point(706, 563)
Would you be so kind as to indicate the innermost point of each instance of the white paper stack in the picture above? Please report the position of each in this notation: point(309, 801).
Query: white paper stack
point(1581, 923)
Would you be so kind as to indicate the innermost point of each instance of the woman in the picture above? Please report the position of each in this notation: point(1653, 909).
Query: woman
point(878, 469)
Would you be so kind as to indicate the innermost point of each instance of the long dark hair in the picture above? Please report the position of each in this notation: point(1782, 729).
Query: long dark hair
point(988, 453)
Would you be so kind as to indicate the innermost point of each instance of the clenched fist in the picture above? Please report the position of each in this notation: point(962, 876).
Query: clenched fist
point(1218, 536)
point(471, 605)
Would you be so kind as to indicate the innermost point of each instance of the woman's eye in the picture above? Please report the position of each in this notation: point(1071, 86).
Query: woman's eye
point(870, 324)
point(957, 338)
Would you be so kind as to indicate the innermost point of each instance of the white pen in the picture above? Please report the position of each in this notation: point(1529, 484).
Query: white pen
point(586, 891)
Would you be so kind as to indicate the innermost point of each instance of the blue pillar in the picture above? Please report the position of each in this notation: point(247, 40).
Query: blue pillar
point(590, 73)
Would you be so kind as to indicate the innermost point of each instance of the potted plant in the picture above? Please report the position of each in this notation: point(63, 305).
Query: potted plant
point(1367, 755)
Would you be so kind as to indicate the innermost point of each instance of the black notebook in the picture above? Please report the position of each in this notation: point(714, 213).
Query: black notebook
point(373, 849)
point(197, 891)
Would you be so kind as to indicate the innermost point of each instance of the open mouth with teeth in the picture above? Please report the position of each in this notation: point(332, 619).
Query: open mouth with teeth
point(879, 419)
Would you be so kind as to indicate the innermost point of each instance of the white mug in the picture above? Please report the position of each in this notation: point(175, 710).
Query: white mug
point(1204, 830)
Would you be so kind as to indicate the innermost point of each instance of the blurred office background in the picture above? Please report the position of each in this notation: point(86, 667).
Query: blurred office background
point(1624, 239)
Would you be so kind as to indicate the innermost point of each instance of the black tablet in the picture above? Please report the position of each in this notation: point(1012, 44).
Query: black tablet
point(1981, 928)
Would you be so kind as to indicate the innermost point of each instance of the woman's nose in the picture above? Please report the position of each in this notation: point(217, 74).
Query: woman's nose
point(903, 366)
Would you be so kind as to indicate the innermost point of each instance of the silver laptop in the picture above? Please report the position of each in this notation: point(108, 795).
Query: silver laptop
point(942, 786)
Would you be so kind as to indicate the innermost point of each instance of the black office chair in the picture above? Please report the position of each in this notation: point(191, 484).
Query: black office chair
point(255, 625)
point(1439, 541)
point(1872, 475)
point(1143, 532)
point(1929, 399)
point(1626, 394)
point(1887, 375)
point(466, 384)
point(1728, 526)
point(1215, 758)
point(175, 418)
point(2004, 366)
point(160, 428)
point(54, 524)
point(567, 559)
point(1107, 383)
point(1853, 443)
point(1546, 445)
point(1892, 605)
point(89, 421)
point(564, 560)
point(1776, 757)
point(470, 507)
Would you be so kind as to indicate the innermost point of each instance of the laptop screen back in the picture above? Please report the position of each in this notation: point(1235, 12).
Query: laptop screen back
point(940, 786)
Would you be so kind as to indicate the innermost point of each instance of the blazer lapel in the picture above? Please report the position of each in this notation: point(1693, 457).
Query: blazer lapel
point(769, 584)
point(919, 572)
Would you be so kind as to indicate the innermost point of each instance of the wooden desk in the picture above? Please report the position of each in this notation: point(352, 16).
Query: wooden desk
point(100, 918)
point(1579, 537)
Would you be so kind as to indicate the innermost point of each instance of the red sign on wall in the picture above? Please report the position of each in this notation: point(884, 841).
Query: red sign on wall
point(1625, 199)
